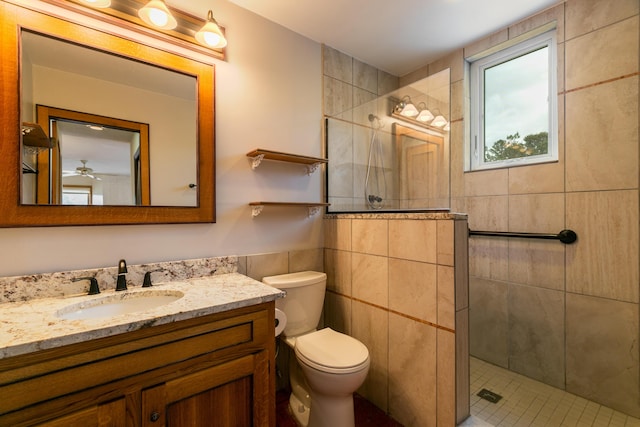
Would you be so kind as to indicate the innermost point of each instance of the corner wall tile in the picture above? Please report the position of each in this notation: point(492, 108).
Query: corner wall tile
point(445, 232)
point(463, 374)
point(387, 83)
point(446, 378)
point(337, 64)
point(338, 98)
point(365, 76)
point(602, 352)
point(553, 14)
point(263, 265)
point(488, 213)
point(337, 313)
point(488, 321)
point(446, 297)
point(338, 269)
point(461, 264)
point(337, 234)
point(306, 259)
point(536, 331)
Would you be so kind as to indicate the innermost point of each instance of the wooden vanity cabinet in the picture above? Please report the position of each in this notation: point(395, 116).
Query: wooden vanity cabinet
point(215, 370)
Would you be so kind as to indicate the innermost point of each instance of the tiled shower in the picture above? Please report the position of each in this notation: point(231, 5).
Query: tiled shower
point(564, 315)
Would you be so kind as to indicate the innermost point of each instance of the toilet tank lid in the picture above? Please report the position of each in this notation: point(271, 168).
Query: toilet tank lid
point(302, 278)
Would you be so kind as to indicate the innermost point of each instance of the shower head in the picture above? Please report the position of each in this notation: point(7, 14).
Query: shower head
point(375, 121)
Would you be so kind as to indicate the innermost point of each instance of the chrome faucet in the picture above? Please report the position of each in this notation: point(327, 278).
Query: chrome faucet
point(121, 284)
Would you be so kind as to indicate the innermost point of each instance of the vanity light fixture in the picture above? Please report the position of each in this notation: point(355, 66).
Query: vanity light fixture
point(210, 34)
point(424, 115)
point(98, 3)
point(146, 17)
point(157, 14)
point(406, 108)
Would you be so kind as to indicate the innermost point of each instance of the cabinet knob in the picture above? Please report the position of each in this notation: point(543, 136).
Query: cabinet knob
point(155, 416)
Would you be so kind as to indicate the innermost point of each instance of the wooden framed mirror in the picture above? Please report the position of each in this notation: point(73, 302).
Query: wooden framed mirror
point(19, 107)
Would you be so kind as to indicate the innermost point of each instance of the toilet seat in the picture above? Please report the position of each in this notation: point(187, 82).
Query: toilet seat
point(333, 352)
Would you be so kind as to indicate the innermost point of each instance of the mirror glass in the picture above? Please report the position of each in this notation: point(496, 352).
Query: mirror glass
point(121, 132)
point(56, 74)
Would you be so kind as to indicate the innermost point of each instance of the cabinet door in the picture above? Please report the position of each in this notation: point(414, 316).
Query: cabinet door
point(228, 395)
point(112, 414)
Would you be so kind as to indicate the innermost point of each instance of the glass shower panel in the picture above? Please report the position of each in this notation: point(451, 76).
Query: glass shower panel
point(383, 157)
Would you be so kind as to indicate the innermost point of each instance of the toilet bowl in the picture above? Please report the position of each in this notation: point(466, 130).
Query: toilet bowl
point(329, 366)
point(334, 365)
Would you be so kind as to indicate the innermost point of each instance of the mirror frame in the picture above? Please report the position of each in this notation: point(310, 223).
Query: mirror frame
point(12, 213)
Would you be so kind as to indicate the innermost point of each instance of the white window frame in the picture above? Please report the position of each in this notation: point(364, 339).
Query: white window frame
point(475, 68)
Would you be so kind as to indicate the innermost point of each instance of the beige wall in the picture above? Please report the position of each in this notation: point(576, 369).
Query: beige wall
point(565, 315)
point(400, 287)
point(268, 95)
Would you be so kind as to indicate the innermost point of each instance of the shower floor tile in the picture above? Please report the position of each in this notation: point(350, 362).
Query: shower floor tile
point(526, 402)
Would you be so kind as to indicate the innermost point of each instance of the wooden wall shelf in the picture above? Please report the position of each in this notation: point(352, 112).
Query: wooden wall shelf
point(314, 208)
point(260, 154)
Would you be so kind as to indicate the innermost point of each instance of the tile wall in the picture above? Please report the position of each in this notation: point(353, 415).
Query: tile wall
point(398, 283)
point(564, 315)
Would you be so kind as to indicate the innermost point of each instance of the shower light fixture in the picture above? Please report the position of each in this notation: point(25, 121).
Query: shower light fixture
point(424, 115)
point(439, 121)
point(98, 3)
point(210, 34)
point(406, 108)
point(157, 14)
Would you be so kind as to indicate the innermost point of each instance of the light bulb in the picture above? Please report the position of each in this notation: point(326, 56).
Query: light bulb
point(98, 3)
point(157, 14)
point(210, 34)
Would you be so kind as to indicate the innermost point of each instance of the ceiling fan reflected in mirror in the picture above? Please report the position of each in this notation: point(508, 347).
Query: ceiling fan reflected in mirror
point(82, 171)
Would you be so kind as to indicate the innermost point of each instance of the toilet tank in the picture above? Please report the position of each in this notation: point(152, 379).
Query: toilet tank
point(304, 300)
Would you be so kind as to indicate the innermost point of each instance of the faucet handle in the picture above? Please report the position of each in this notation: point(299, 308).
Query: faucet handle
point(93, 286)
point(122, 266)
point(146, 282)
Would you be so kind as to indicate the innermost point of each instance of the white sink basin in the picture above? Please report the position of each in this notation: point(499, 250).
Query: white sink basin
point(117, 304)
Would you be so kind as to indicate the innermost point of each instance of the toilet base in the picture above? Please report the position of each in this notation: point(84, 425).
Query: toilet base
point(299, 411)
point(331, 411)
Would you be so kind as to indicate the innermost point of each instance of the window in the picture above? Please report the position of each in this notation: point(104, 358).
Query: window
point(513, 105)
point(76, 195)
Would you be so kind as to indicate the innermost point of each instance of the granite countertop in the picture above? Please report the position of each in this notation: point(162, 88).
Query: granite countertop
point(33, 325)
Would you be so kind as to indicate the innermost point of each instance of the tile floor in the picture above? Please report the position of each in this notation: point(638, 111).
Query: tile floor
point(527, 402)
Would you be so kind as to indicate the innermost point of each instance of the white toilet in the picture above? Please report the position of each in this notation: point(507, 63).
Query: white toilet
point(334, 365)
